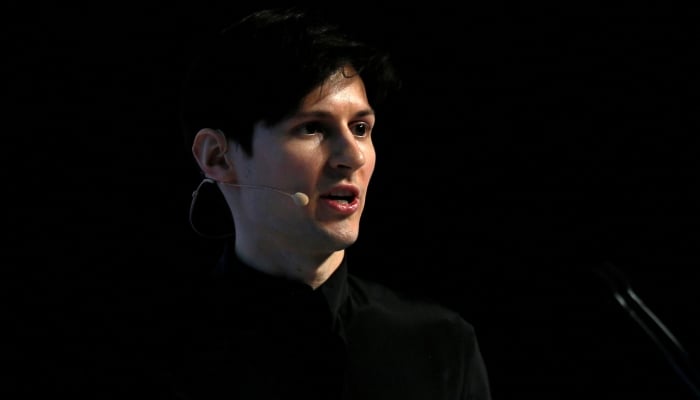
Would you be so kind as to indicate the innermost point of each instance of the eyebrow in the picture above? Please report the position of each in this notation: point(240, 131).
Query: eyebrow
point(326, 114)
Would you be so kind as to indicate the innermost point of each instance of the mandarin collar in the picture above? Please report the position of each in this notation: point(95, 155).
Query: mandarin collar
point(334, 290)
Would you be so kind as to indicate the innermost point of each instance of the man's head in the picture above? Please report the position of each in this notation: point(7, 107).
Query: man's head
point(284, 101)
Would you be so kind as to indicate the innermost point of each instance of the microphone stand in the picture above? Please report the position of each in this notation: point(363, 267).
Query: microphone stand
point(672, 349)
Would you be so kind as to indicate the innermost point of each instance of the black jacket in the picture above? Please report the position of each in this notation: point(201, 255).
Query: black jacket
point(241, 334)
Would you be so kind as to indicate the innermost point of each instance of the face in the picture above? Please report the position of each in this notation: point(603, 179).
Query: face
point(324, 150)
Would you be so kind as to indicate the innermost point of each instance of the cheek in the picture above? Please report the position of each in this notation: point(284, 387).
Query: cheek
point(306, 156)
point(286, 160)
point(300, 165)
point(370, 161)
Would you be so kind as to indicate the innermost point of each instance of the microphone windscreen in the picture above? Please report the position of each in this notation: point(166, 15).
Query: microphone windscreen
point(300, 199)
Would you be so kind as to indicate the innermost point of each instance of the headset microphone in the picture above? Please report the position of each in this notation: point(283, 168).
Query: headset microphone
point(299, 198)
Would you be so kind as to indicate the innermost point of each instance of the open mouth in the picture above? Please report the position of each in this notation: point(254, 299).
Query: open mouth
point(341, 198)
point(345, 194)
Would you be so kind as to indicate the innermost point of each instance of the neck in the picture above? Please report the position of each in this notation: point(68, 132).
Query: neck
point(311, 270)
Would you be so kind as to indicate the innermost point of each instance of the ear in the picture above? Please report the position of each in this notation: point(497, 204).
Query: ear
point(209, 150)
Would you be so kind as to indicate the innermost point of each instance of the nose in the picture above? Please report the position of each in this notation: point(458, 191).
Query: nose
point(348, 152)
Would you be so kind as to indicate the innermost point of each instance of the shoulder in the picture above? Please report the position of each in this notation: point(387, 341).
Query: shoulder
point(375, 300)
point(411, 336)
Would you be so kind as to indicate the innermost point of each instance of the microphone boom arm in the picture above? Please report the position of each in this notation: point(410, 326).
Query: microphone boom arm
point(651, 324)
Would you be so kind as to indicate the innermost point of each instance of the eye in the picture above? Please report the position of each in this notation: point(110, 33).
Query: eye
point(311, 128)
point(361, 129)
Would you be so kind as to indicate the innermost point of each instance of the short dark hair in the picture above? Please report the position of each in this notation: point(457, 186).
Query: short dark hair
point(261, 67)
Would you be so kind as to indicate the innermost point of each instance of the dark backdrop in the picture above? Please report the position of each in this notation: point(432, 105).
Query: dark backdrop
point(531, 145)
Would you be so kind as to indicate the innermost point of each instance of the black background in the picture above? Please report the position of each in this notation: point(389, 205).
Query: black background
point(531, 144)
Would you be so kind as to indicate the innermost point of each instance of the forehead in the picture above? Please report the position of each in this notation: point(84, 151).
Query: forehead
point(343, 79)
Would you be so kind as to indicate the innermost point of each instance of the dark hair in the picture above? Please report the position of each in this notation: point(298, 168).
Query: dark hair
point(261, 67)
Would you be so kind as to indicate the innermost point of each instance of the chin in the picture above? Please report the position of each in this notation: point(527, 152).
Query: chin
point(343, 239)
point(337, 235)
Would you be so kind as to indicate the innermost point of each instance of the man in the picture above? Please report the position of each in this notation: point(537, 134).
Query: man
point(280, 114)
